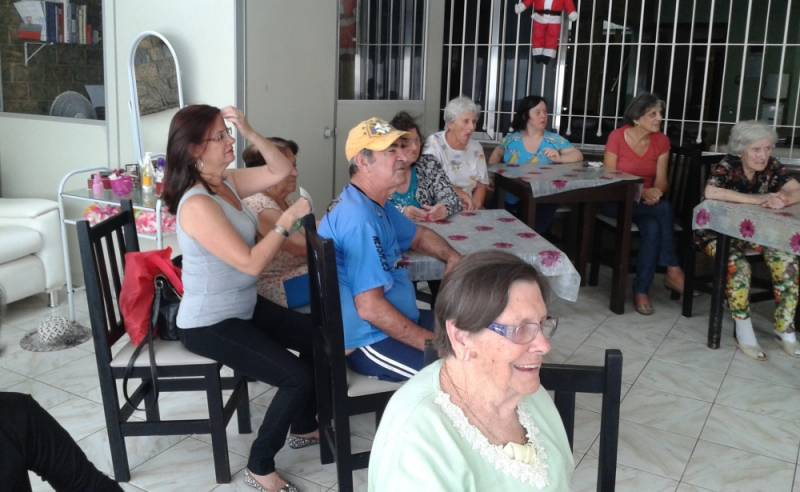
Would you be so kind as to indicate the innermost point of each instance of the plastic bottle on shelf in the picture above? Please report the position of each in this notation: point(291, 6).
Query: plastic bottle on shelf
point(161, 165)
point(97, 186)
point(148, 175)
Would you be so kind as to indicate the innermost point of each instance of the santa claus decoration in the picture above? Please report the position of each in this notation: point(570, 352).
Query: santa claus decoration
point(546, 25)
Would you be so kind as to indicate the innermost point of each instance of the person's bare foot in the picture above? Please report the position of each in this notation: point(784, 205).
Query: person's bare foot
point(674, 279)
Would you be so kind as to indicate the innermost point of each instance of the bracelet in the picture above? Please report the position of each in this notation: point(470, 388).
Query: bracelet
point(281, 230)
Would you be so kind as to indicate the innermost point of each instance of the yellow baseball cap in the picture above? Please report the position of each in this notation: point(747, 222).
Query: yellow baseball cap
point(372, 134)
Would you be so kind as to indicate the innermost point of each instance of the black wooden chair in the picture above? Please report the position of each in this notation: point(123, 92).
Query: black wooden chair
point(103, 249)
point(565, 380)
point(340, 391)
point(684, 192)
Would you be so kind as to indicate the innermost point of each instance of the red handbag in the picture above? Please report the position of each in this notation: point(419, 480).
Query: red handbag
point(138, 289)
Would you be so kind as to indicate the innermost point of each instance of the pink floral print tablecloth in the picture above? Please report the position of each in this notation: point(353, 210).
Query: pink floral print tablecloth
point(779, 229)
point(468, 232)
point(549, 179)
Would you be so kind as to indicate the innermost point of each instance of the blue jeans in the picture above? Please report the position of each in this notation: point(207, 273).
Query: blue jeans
point(655, 242)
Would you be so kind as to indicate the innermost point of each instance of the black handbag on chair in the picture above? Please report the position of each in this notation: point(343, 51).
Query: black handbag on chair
point(163, 324)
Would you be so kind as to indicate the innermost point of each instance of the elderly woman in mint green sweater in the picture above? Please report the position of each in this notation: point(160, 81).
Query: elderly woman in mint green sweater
point(478, 419)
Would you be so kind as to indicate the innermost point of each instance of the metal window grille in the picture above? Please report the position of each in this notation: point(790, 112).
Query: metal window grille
point(714, 62)
point(381, 49)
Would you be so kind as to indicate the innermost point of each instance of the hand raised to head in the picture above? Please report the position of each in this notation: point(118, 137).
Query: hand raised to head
point(236, 117)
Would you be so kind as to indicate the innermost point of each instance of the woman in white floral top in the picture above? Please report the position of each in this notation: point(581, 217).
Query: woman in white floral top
point(290, 261)
point(478, 419)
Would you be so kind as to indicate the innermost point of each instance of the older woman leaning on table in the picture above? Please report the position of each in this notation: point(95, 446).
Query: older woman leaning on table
point(427, 194)
point(290, 261)
point(639, 148)
point(478, 419)
point(462, 158)
point(749, 174)
point(531, 143)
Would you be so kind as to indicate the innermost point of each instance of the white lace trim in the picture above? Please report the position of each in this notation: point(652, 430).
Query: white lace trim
point(535, 473)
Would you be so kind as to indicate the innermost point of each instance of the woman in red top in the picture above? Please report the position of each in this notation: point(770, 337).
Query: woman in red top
point(641, 149)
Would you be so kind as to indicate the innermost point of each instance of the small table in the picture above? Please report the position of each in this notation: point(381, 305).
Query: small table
point(577, 183)
point(469, 232)
point(778, 229)
point(140, 202)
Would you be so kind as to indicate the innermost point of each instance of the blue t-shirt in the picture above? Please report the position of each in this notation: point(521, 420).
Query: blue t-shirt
point(514, 150)
point(369, 240)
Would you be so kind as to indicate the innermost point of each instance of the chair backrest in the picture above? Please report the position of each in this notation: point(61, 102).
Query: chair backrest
point(103, 247)
point(330, 372)
point(683, 176)
point(566, 380)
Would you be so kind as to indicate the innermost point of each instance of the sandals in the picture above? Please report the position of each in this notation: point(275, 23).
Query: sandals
point(643, 307)
point(300, 442)
point(791, 348)
point(753, 351)
point(250, 480)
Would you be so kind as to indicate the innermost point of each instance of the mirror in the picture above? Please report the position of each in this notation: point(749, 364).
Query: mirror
point(156, 93)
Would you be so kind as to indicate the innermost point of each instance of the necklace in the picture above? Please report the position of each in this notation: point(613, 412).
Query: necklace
point(527, 460)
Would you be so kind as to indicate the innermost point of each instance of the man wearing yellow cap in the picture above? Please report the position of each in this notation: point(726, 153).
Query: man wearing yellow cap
point(382, 328)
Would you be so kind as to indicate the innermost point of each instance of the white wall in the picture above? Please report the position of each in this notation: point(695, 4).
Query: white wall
point(37, 151)
point(203, 33)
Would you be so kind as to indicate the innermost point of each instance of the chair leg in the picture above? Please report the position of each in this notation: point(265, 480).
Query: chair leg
point(594, 270)
point(689, 271)
point(216, 417)
point(344, 458)
point(151, 403)
point(243, 407)
point(116, 441)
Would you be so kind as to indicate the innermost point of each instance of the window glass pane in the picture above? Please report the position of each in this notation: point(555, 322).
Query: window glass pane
point(381, 49)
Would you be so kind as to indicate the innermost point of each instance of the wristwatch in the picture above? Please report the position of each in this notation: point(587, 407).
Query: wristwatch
point(281, 230)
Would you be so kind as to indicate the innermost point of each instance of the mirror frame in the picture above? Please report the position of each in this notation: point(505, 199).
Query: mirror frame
point(133, 102)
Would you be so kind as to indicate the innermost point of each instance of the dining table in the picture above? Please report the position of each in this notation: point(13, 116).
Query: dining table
point(774, 228)
point(468, 232)
point(588, 185)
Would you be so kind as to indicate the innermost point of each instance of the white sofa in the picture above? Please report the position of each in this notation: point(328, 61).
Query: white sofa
point(31, 257)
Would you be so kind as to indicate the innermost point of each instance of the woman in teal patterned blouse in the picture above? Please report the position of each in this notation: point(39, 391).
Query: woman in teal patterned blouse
point(428, 193)
point(530, 143)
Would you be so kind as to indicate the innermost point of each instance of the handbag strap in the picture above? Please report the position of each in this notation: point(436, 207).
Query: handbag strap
point(159, 283)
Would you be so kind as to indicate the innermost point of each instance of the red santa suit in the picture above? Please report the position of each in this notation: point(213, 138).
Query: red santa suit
point(546, 25)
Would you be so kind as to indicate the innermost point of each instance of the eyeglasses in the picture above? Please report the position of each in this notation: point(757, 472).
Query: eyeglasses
point(219, 137)
point(526, 332)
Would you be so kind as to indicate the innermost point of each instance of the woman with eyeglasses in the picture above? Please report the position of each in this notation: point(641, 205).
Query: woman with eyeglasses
point(221, 315)
point(478, 419)
point(285, 279)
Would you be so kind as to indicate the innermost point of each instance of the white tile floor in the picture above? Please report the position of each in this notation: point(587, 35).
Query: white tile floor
point(692, 419)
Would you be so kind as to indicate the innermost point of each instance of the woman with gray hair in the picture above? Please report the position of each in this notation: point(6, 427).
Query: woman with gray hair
point(462, 158)
point(478, 419)
point(749, 174)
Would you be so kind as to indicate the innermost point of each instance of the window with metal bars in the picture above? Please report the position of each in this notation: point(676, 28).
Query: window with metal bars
point(381, 49)
point(714, 62)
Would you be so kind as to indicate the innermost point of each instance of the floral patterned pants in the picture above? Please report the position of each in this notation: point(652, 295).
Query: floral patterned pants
point(783, 268)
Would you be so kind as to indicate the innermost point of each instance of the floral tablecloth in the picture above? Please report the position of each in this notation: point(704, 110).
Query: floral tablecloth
point(779, 229)
point(468, 232)
point(549, 179)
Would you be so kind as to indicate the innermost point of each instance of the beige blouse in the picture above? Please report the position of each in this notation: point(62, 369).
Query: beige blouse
point(284, 266)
